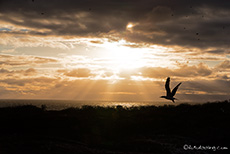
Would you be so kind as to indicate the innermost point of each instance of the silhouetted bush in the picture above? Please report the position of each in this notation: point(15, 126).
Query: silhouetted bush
point(96, 129)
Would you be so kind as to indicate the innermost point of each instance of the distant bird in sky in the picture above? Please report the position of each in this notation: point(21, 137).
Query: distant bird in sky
point(169, 94)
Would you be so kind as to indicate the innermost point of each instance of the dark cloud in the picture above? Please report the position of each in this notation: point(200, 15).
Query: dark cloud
point(197, 23)
point(217, 51)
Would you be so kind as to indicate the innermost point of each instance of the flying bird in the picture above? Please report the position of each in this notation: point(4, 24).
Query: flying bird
point(169, 94)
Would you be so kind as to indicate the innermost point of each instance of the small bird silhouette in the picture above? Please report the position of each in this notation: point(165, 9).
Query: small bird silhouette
point(169, 94)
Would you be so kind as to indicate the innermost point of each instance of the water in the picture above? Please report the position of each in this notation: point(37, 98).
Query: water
point(63, 104)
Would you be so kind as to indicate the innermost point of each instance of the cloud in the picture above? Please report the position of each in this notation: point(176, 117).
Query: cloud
point(208, 87)
point(192, 24)
point(3, 71)
point(56, 88)
point(224, 65)
point(217, 51)
point(28, 81)
point(14, 73)
point(22, 60)
point(183, 71)
point(21, 88)
point(26, 40)
point(185, 30)
point(80, 72)
point(30, 71)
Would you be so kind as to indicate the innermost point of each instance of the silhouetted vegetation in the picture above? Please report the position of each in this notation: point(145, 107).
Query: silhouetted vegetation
point(94, 129)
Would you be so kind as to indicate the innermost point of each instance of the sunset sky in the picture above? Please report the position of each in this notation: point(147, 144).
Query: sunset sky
point(120, 50)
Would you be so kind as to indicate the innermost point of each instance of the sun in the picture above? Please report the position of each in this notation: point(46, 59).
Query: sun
point(124, 57)
point(120, 54)
point(129, 26)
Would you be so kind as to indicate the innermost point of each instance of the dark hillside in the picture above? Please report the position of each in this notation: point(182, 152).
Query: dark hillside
point(93, 129)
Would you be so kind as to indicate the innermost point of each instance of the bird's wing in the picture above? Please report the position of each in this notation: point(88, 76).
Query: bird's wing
point(168, 91)
point(175, 89)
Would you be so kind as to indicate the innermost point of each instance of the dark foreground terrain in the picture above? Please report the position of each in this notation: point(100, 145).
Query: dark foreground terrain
point(166, 129)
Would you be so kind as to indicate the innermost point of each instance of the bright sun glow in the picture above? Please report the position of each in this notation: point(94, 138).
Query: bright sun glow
point(125, 58)
point(122, 57)
point(129, 25)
